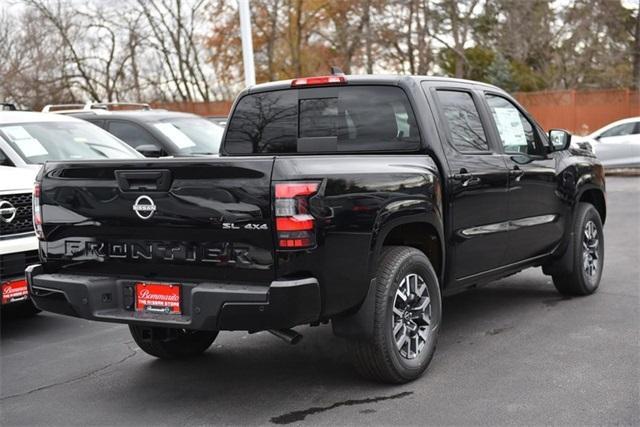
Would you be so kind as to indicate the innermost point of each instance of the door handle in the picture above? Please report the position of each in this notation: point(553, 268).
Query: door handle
point(516, 173)
point(467, 179)
point(471, 180)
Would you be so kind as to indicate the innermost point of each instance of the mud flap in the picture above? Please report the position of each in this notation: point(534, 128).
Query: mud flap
point(562, 264)
point(358, 324)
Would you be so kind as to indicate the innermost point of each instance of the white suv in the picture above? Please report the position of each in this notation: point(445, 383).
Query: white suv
point(18, 244)
point(27, 140)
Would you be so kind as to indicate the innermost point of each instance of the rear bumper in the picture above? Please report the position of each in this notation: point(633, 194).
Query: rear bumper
point(205, 306)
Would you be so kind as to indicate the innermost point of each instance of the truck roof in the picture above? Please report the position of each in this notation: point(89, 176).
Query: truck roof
point(387, 79)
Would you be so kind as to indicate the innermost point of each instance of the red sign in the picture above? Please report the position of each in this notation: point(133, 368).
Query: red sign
point(14, 290)
point(158, 298)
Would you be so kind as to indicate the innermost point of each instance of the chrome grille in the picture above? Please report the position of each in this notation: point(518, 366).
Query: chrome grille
point(22, 223)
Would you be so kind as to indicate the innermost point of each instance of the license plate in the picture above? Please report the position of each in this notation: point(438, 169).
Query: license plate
point(160, 298)
point(14, 291)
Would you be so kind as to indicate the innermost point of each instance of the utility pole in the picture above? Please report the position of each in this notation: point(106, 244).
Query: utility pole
point(247, 43)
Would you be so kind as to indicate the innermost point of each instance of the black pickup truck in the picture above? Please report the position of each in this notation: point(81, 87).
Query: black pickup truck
point(359, 200)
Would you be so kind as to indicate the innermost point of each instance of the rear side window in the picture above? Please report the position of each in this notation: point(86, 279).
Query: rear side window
point(349, 118)
point(463, 120)
point(130, 133)
point(620, 130)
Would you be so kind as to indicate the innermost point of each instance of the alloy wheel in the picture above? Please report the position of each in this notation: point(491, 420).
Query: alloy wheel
point(590, 251)
point(411, 317)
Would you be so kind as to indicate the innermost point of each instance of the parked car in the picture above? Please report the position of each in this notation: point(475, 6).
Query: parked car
point(617, 144)
point(358, 200)
point(154, 133)
point(28, 139)
point(18, 243)
point(219, 120)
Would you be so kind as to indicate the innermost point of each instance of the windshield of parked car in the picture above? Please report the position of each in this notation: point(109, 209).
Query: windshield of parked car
point(192, 135)
point(65, 140)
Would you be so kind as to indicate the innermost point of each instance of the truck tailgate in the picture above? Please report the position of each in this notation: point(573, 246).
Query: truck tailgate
point(208, 219)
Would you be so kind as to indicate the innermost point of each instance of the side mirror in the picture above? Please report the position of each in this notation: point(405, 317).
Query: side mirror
point(150, 150)
point(560, 139)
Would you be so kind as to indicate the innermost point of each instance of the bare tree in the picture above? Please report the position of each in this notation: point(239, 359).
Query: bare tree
point(636, 51)
point(177, 41)
point(32, 66)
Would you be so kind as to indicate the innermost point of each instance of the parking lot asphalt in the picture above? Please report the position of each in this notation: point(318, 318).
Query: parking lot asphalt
point(513, 352)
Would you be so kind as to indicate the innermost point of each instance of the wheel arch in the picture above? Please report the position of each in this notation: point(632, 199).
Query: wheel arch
point(360, 323)
point(596, 197)
point(422, 235)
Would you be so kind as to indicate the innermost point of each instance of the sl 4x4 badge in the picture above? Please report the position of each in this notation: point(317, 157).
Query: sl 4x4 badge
point(248, 226)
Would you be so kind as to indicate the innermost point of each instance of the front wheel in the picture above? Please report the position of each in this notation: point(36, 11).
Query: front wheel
point(169, 343)
point(408, 311)
point(588, 254)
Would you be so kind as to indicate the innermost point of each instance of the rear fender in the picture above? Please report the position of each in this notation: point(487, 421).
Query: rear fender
point(360, 324)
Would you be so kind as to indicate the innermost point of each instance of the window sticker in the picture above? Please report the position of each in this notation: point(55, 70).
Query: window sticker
point(510, 126)
point(29, 146)
point(173, 133)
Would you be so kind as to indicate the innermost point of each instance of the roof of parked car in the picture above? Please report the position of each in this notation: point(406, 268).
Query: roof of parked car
point(138, 115)
point(9, 117)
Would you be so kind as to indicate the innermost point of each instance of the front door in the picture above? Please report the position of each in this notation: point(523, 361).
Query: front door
point(477, 184)
point(536, 210)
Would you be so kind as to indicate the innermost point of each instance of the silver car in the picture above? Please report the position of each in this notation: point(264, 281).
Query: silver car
point(617, 144)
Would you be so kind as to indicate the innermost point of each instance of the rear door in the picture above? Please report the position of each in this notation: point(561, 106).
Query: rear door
point(477, 181)
point(167, 219)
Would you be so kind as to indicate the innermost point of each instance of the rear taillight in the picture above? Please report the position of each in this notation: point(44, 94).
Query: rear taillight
point(295, 225)
point(36, 211)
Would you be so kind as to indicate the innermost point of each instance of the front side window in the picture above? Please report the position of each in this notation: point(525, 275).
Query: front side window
point(463, 121)
point(64, 140)
point(515, 130)
point(343, 119)
point(620, 130)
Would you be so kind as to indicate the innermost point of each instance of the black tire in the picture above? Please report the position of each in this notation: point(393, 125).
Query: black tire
point(167, 343)
point(583, 280)
point(379, 357)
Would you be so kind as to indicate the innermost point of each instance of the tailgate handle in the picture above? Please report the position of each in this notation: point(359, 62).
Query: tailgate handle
point(144, 180)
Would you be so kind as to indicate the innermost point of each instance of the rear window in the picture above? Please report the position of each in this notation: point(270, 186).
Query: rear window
point(316, 120)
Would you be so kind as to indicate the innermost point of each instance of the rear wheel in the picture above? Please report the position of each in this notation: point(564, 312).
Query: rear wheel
point(169, 343)
point(408, 311)
point(588, 253)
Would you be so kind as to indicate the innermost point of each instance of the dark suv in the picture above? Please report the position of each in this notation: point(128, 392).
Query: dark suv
point(156, 133)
